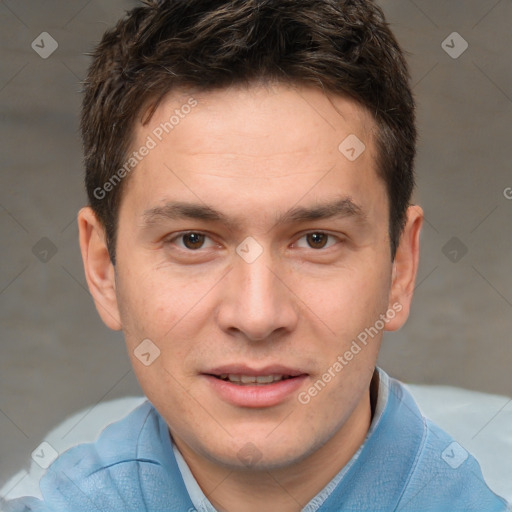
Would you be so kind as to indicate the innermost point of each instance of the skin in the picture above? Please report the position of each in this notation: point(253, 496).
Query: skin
point(253, 153)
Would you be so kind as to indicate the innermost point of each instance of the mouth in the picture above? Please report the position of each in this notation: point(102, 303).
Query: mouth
point(251, 380)
point(248, 387)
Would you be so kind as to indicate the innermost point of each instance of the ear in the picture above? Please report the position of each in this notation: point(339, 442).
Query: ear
point(405, 268)
point(99, 271)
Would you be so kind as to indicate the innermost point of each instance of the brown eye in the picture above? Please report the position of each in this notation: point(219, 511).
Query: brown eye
point(317, 240)
point(193, 240)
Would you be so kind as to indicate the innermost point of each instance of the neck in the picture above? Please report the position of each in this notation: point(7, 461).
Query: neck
point(286, 489)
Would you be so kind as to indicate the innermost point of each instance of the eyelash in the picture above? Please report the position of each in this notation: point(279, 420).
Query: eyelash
point(184, 233)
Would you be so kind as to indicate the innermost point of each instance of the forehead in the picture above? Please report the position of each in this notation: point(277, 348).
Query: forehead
point(266, 119)
point(277, 143)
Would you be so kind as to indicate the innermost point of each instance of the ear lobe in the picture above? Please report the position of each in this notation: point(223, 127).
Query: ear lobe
point(99, 271)
point(405, 268)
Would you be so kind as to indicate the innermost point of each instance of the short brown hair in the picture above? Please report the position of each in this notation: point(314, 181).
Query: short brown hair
point(342, 46)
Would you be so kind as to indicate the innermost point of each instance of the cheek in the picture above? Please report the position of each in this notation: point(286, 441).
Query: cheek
point(152, 303)
point(346, 300)
point(172, 312)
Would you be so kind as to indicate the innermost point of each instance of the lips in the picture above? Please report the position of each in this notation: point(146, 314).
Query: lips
point(241, 369)
point(246, 386)
point(245, 375)
point(244, 380)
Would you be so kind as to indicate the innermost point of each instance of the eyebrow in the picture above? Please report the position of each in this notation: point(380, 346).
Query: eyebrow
point(176, 210)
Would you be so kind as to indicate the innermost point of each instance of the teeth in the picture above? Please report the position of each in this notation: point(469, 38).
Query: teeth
point(268, 379)
point(252, 379)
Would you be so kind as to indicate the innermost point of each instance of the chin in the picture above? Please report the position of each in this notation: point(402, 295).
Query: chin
point(260, 453)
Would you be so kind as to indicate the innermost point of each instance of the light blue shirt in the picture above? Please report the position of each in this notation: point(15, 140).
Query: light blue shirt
point(405, 464)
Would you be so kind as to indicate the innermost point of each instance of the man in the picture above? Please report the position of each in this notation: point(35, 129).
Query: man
point(249, 166)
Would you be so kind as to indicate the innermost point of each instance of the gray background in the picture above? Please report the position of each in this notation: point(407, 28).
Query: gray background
point(56, 355)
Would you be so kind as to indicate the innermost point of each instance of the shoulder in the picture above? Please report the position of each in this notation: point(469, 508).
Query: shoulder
point(117, 442)
point(89, 476)
point(443, 475)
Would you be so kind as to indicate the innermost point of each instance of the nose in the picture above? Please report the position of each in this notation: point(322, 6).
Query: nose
point(256, 300)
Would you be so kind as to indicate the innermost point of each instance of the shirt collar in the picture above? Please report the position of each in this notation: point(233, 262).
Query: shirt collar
point(379, 390)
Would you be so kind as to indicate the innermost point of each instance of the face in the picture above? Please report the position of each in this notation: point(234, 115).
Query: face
point(253, 253)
